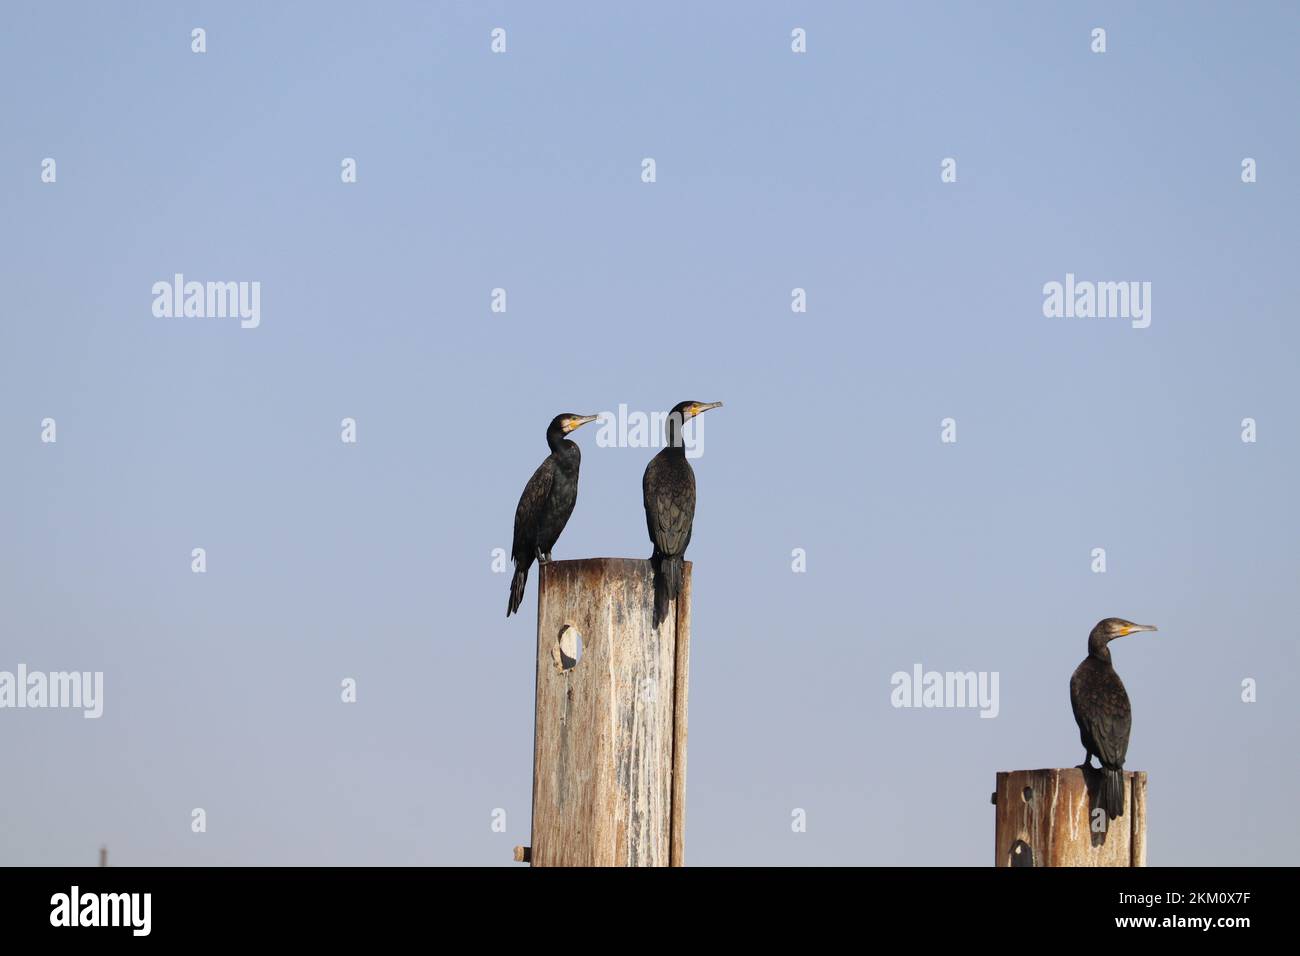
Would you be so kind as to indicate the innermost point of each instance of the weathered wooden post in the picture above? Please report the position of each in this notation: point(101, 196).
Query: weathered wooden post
point(1044, 818)
point(609, 760)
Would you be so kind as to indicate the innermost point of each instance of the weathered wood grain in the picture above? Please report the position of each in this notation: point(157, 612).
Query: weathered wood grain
point(1044, 819)
point(681, 684)
point(1138, 825)
point(609, 757)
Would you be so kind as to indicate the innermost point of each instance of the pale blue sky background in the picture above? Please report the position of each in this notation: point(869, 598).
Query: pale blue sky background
point(328, 561)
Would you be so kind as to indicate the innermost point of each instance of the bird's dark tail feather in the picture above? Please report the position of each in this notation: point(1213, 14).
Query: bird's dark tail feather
point(1112, 792)
point(517, 589)
point(668, 584)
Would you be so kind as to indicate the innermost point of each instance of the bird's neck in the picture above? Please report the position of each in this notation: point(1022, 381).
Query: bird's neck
point(674, 445)
point(1099, 650)
point(563, 449)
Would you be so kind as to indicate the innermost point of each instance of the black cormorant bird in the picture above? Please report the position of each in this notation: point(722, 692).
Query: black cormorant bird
point(1101, 709)
point(546, 503)
point(668, 488)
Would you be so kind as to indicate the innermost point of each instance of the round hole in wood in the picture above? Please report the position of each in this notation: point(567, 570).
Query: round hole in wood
point(1028, 794)
point(568, 649)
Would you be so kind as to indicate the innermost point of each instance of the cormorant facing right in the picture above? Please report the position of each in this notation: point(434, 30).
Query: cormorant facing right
point(1101, 709)
point(668, 489)
point(546, 503)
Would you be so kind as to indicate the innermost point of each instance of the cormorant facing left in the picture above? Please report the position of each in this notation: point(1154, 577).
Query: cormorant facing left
point(546, 503)
point(668, 489)
point(1101, 709)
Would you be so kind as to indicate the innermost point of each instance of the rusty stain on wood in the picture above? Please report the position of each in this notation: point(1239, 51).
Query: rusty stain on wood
point(609, 756)
point(1044, 817)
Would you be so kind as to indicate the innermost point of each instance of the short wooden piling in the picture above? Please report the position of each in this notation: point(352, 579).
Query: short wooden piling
point(609, 761)
point(1045, 818)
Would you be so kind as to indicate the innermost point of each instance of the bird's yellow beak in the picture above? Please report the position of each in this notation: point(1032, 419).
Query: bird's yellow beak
point(701, 409)
point(1134, 628)
point(578, 422)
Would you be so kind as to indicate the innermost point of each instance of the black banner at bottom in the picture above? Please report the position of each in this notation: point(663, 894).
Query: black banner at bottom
point(371, 905)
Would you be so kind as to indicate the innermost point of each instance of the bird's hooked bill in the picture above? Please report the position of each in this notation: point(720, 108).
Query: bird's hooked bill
point(698, 409)
point(581, 420)
point(1134, 628)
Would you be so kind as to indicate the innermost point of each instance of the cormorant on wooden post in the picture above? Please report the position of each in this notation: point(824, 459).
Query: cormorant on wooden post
point(546, 503)
point(668, 489)
point(1102, 711)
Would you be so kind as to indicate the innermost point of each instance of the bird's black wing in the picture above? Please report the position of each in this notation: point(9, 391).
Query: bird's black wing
point(529, 511)
point(1111, 734)
point(669, 495)
point(1103, 713)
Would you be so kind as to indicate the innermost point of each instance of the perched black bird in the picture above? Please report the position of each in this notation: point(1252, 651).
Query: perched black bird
point(668, 488)
point(1101, 709)
point(546, 503)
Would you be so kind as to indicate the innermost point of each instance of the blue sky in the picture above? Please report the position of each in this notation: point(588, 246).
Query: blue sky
point(522, 171)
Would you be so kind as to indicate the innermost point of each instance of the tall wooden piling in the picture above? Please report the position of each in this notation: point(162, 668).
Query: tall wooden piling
point(609, 761)
point(1045, 818)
